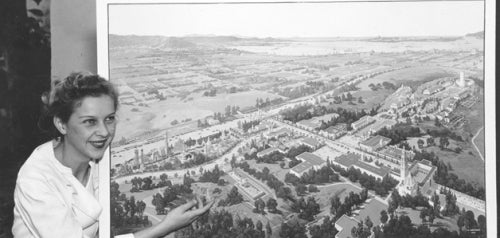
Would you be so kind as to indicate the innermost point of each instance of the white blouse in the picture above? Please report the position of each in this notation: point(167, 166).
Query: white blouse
point(51, 202)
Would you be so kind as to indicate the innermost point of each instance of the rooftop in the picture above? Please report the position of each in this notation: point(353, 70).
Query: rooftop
point(426, 162)
point(331, 130)
point(309, 123)
point(422, 171)
point(311, 141)
point(351, 159)
point(311, 158)
point(337, 128)
point(396, 152)
point(346, 223)
point(327, 152)
point(302, 167)
point(280, 132)
point(261, 127)
point(364, 119)
point(308, 161)
point(267, 151)
point(326, 117)
point(347, 160)
point(376, 141)
point(377, 125)
point(380, 171)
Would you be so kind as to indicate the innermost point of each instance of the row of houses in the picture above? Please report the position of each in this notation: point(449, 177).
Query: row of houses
point(362, 123)
point(247, 186)
point(346, 161)
point(354, 160)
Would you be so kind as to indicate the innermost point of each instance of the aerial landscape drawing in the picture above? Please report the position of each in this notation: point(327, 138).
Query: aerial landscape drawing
point(300, 119)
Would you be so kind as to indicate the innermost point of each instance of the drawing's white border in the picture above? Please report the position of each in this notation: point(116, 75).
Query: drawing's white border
point(489, 89)
point(490, 118)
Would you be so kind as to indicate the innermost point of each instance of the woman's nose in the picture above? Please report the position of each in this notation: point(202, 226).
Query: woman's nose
point(103, 130)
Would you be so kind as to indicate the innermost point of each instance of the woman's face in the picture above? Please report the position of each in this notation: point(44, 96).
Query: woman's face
point(91, 127)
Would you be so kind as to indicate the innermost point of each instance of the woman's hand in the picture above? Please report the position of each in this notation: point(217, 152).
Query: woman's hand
point(183, 215)
point(177, 218)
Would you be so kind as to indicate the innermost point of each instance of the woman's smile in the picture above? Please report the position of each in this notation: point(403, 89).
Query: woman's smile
point(99, 144)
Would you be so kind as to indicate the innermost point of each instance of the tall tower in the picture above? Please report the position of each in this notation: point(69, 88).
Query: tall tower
point(407, 185)
point(142, 156)
point(461, 80)
point(402, 185)
point(136, 151)
point(208, 145)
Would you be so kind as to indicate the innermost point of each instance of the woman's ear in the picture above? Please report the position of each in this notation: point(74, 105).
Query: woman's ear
point(60, 125)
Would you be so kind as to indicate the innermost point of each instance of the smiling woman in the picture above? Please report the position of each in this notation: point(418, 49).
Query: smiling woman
point(57, 187)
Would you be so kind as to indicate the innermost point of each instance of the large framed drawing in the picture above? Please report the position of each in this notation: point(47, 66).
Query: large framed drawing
point(301, 118)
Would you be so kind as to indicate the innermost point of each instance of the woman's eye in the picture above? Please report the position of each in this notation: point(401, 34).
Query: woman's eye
point(90, 121)
point(111, 119)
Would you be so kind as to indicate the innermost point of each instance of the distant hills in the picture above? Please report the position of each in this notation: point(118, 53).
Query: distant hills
point(412, 38)
point(149, 41)
point(169, 42)
point(180, 42)
point(194, 41)
point(479, 35)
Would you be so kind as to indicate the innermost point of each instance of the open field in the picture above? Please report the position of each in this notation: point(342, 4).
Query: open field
point(465, 166)
point(274, 169)
point(405, 76)
point(219, 102)
point(157, 116)
point(371, 99)
point(134, 120)
point(414, 215)
point(474, 115)
point(244, 209)
point(413, 142)
point(326, 192)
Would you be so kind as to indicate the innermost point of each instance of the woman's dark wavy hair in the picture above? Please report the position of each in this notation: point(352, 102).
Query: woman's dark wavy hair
point(65, 95)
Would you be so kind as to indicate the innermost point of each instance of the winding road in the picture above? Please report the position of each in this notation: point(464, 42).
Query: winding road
point(475, 146)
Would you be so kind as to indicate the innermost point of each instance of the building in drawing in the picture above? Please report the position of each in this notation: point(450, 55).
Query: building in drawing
point(418, 176)
point(309, 161)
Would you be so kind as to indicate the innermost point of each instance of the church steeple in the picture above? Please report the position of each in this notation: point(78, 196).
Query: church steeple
point(407, 185)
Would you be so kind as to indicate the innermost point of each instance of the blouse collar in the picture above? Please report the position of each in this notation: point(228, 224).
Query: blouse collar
point(83, 199)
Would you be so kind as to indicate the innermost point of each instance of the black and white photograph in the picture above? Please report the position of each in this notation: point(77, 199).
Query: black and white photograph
point(301, 119)
point(248, 119)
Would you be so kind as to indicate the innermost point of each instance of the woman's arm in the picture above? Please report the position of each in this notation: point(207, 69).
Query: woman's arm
point(175, 219)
